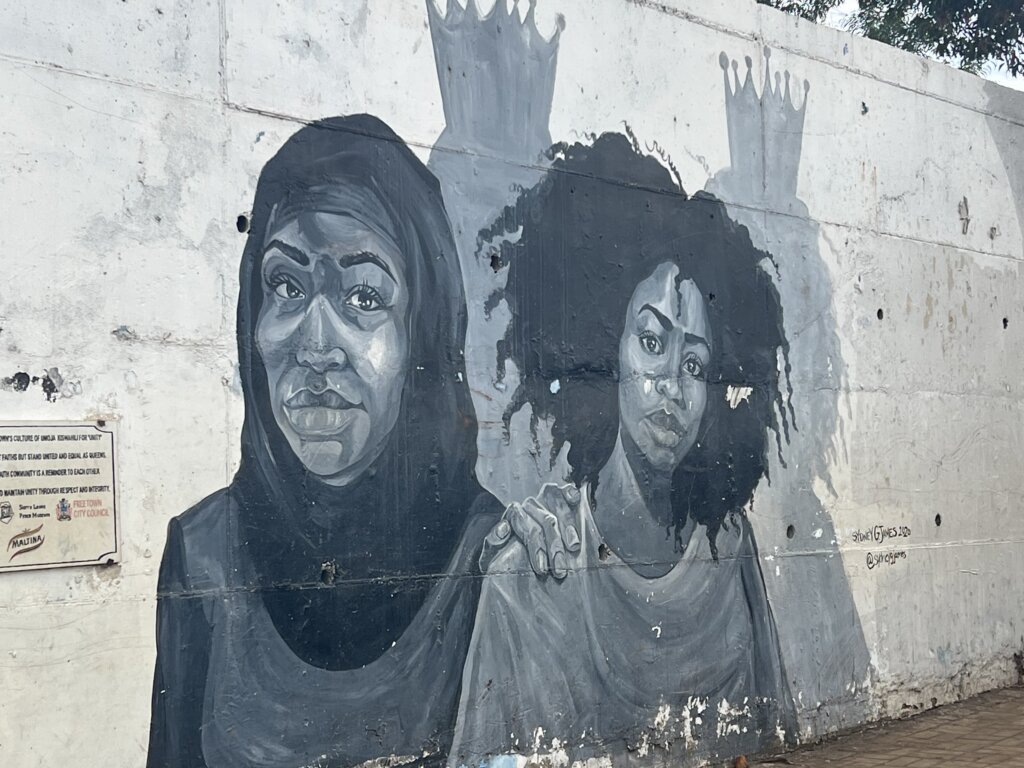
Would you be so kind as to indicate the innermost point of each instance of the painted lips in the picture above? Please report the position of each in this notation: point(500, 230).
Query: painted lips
point(665, 428)
point(319, 413)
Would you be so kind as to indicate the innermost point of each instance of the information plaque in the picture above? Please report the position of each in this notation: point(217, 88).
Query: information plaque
point(58, 499)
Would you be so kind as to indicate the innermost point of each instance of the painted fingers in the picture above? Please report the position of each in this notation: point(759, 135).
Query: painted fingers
point(545, 524)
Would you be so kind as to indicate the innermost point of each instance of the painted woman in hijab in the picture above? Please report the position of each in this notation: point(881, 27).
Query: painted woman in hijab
point(317, 611)
point(647, 332)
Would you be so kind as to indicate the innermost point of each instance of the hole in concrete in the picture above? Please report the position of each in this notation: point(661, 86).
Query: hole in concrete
point(495, 261)
point(101, 423)
point(49, 389)
point(880, 314)
point(938, 520)
point(603, 551)
point(328, 573)
point(790, 531)
point(1006, 323)
point(242, 223)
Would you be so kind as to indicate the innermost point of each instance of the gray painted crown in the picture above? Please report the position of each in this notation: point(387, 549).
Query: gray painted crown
point(765, 132)
point(496, 72)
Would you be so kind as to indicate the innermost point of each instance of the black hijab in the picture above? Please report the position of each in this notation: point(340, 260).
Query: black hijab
point(343, 570)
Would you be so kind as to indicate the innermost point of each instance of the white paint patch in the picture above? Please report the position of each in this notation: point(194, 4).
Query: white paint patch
point(686, 731)
point(375, 353)
point(648, 385)
point(737, 395)
point(555, 386)
point(817, 533)
point(538, 738)
point(656, 629)
point(553, 755)
point(644, 747)
point(780, 734)
point(730, 718)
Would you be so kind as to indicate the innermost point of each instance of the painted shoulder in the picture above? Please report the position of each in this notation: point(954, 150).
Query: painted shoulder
point(203, 530)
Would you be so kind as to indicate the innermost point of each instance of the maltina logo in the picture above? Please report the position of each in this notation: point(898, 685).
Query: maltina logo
point(26, 541)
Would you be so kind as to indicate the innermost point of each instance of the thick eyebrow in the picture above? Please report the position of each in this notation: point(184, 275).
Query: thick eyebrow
point(692, 339)
point(689, 338)
point(665, 322)
point(288, 250)
point(348, 260)
point(365, 257)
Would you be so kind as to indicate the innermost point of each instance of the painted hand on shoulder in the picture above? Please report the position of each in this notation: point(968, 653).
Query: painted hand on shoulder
point(546, 524)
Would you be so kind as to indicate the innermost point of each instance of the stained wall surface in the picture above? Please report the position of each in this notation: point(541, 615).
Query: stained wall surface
point(792, 482)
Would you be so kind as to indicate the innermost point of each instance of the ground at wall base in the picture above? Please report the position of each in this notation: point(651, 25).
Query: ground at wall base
point(987, 730)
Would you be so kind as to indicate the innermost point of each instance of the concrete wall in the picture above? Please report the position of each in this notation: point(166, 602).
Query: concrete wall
point(890, 196)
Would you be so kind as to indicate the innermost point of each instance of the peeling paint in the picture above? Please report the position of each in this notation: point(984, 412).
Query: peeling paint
point(52, 384)
point(124, 333)
point(19, 382)
point(736, 395)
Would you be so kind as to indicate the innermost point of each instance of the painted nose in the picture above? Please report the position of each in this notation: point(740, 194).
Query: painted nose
point(321, 346)
point(669, 387)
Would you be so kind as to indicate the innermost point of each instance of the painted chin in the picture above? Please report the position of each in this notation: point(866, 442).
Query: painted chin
point(325, 458)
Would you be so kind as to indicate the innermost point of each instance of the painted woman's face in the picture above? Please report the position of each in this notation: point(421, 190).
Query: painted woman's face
point(663, 355)
point(333, 335)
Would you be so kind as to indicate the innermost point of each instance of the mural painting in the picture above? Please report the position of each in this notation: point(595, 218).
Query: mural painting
point(667, 418)
point(303, 607)
point(505, 416)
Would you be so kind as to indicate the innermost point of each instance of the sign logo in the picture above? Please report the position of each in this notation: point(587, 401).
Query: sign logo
point(63, 510)
point(6, 512)
point(25, 542)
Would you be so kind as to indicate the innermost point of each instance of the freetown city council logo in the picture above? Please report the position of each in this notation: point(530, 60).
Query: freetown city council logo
point(6, 512)
point(63, 510)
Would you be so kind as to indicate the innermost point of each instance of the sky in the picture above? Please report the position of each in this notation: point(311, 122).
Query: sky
point(838, 15)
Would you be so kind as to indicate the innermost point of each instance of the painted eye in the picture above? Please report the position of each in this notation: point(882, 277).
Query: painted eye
point(365, 298)
point(651, 343)
point(693, 367)
point(286, 288)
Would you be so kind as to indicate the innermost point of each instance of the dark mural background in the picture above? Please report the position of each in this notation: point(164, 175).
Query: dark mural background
point(505, 417)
